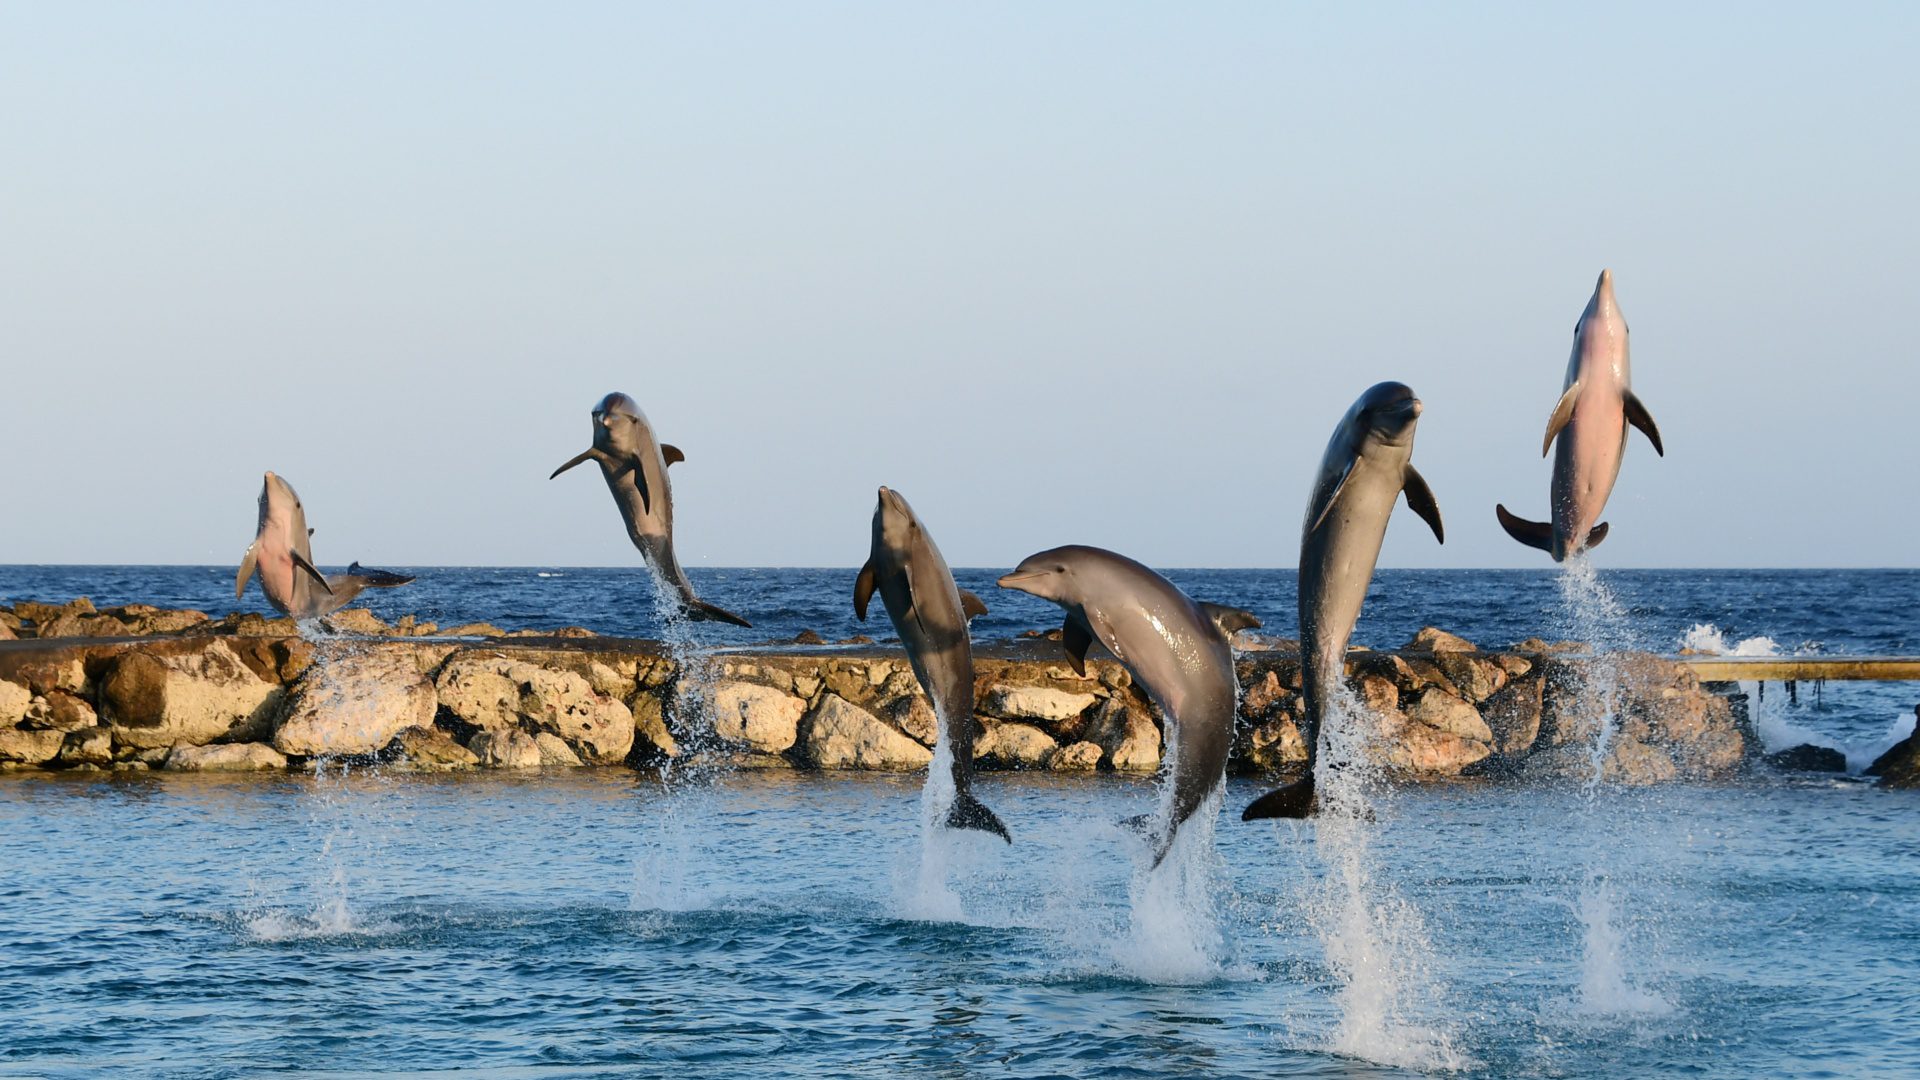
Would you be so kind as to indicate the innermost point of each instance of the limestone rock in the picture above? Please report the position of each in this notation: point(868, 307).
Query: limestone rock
point(1041, 703)
point(555, 751)
point(1075, 757)
point(1273, 744)
point(1903, 750)
point(69, 625)
point(1013, 746)
point(1631, 761)
point(509, 748)
point(225, 757)
point(1444, 712)
point(92, 746)
point(430, 749)
point(1433, 752)
point(496, 693)
point(1513, 715)
point(154, 701)
point(914, 714)
point(358, 621)
point(1126, 735)
point(1809, 758)
point(841, 735)
point(14, 702)
point(651, 739)
point(30, 747)
point(1900, 766)
point(1263, 694)
point(1435, 640)
point(354, 704)
point(474, 629)
point(1476, 677)
point(762, 718)
point(58, 710)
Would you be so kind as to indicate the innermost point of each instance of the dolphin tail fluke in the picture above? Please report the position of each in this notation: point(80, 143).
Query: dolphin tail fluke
point(970, 813)
point(1534, 534)
point(701, 611)
point(1293, 800)
point(377, 579)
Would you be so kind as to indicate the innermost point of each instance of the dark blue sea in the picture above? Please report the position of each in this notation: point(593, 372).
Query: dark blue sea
point(606, 923)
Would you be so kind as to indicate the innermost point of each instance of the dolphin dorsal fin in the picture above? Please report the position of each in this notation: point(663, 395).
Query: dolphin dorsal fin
point(1420, 500)
point(1230, 619)
point(972, 606)
point(1562, 413)
point(671, 453)
point(863, 590)
point(1639, 417)
point(1077, 638)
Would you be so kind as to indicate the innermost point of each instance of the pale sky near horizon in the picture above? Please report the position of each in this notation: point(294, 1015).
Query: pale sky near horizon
point(1062, 273)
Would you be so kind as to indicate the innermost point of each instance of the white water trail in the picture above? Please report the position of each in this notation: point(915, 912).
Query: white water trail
point(1390, 1002)
point(929, 895)
point(1596, 618)
point(1173, 933)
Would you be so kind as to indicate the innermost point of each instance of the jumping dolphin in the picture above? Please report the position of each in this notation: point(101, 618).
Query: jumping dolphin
point(1591, 421)
point(930, 613)
point(1366, 467)
point(635, 467)
point(281, 553)
point(1178, 650)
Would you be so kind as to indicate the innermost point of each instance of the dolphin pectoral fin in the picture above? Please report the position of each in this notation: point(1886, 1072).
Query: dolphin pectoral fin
point(1077, 639)
point(971, 606)
point(1639, 417)
point(248, 563)
point(1230, 619)
point(1595, 535)
point(1334, 495)
point(632, 464)
point(1534, 534)
point(1293, 800)
point(589, 454)
point(1420, 500)
point(310, 531)
point(701, 611)
point(1562, 413)
point(300, 561)
point(863, 590)
point(970, 813)
point(671, 453)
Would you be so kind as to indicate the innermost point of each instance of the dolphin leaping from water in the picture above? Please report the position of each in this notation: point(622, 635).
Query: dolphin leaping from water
point(1591, 422)
point(283, 557)
point(635, 467)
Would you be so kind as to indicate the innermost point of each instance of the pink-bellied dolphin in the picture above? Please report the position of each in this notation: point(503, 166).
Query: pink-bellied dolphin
point(635, 467)
point(1591, 422)
point(282, 555)
point(930, 614)
point(1368, 465)
point(1178, 650)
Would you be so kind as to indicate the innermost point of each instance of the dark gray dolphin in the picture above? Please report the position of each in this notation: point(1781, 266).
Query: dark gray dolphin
point(1177, 649)
point(1595, 407)
point(930, 613)
point(635, 468)
point(1367, 467)
point(282, 555)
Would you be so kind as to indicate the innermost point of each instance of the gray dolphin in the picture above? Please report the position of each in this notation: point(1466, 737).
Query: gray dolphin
point(1177, 649)
point(635, 468)
point(1591, 421)
point(1366, 467)
point(930, 613)
point(282, 555)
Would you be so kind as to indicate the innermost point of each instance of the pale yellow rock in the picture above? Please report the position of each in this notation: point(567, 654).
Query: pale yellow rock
point(1075, 757)
point(1036, 703)
point(30, 747)
point(225, 757)
point(840, 735)
point(1014, 746)
point(157, 701)
point(1442, 711)
point(354, 704)
point(14, 702)
point(555, 751)
point(507, 749)
point(760, 717)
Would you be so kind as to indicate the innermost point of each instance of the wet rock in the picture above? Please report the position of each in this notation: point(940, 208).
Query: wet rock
point(841, 735)
point(1075, 757)
point(555, 751)
point(354, 704)
point(1126, 735)
point(1435, 640)
point(509, 748)
point(1900, 766)
point(1513, 715)
point(30, 747)
point(1433, 752)
point(496, 693)
point(1476, 677)
point(651, 739)
point(809, 637)
point(1444, 712)
point(15, 700)
point(58, 710)
point(147, 620)
point(254, 624)
point(93, 746)
point(913, 714)
point(358, 621)
point(225, 757)
point(1273, 744)
point(1904, 750)
point(760, 717)
point(1263, 694)
point(1040, 703)
point(1809, 758)
point(154, 701)
point(1013, 746)
point(430, 749)
point(1631, 761)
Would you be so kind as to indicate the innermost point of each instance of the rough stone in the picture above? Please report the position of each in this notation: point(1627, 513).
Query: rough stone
point(913, 714)
point(1476, 677)
point(1075, 757)
point(1513, 715)
point(354, 704)
point(651, 739)
point(1041, 703)
point(1013, 746)
point(430, 749)
point(760, 717)
point(93, 746)
point(1634, 762)
point(509, 748)
point(15, 700)
point(358, 621)
point(841, 735)
point(496, 693)
point(58, 710)
point(1433, 752)
point(1435, 640)
point(474, 629)
point(555, 751)
point(1126, 735)
point(155, 701)
point(30, 747)
point(1444, 712)
point(1809, 758)
point(226, 757)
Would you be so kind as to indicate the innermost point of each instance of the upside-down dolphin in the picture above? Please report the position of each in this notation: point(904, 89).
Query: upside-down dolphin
point(1366, 467)
point(282, 555)
point(1591, 422)
point(930, 613)
point(635, 467)
point(1177, 649)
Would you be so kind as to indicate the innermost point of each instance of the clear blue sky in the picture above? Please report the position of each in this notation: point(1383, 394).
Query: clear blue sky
point(1061, 273)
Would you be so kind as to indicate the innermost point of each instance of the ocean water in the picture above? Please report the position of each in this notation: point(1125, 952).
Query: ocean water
point(604, 923)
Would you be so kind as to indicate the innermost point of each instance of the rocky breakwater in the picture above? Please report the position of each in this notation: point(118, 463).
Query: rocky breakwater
point(138, 688)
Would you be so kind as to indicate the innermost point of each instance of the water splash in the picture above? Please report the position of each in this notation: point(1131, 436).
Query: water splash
point(1173, 930)
point(928, 895)
point(1604, 989)
point(350, 809)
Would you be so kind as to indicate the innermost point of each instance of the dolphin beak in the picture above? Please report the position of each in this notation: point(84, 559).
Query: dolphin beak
point(1416, 408)
point(1017, 579)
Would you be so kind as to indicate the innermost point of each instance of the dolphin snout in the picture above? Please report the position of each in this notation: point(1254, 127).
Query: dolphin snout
point(1019, 578)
